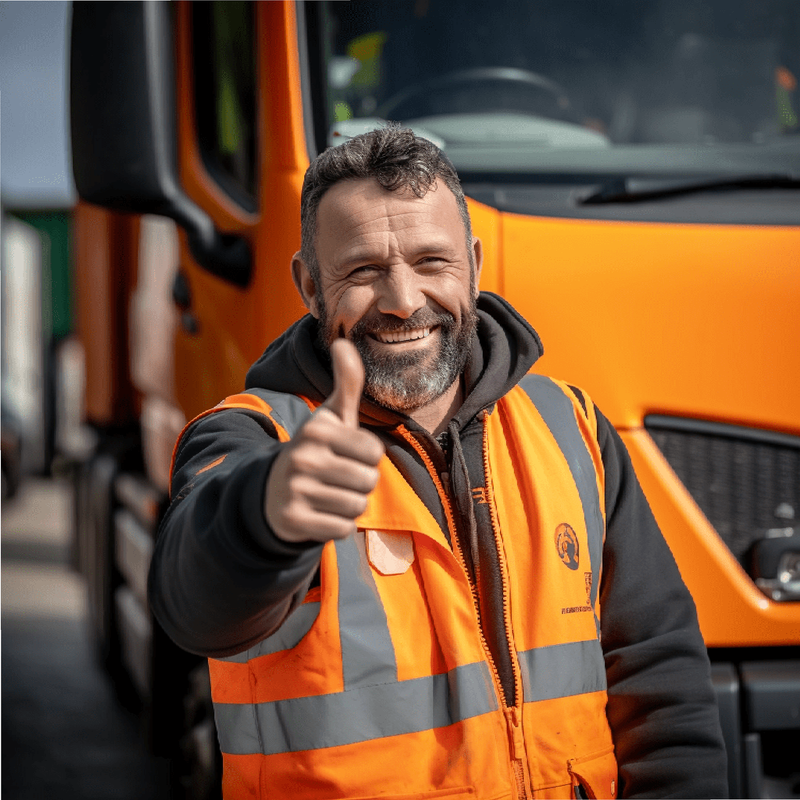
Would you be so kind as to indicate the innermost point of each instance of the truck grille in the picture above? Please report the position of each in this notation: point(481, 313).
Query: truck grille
point(745, 481)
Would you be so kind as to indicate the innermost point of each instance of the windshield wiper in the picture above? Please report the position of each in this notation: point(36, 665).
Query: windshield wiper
point(621, 192)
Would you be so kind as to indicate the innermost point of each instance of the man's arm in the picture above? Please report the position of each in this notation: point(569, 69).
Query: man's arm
point(661, 705)
point(220, 580)
point(243, 536)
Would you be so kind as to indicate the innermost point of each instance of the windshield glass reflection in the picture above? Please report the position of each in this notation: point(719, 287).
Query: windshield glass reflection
point(570, 75)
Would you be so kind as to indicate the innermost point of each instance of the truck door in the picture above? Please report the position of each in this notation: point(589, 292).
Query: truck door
point(242, 155)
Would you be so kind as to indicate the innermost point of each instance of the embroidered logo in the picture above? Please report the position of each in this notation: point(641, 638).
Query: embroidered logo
point(567, 545)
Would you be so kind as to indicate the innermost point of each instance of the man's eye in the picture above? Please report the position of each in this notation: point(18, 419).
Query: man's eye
point(360, 272)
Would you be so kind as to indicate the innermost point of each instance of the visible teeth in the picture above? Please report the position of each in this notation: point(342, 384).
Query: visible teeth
point(394, 337)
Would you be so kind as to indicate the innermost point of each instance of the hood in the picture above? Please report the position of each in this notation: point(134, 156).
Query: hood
point(505, 348)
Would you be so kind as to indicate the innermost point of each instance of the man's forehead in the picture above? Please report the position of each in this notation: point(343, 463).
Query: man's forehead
point(355, 186)
point(364, 201)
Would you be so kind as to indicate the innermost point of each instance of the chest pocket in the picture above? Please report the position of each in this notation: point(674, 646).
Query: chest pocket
point(390, 552)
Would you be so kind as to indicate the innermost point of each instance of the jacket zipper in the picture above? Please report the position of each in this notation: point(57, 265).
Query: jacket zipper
point(513, 714)
point(517, 741)
point(444, 496)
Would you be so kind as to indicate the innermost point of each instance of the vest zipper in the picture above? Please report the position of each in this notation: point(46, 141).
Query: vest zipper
point(517, 743)
point(444, 495)
point(513, 715)
point(498, 684)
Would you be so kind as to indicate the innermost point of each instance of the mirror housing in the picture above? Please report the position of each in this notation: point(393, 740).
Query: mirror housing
point(123, 126)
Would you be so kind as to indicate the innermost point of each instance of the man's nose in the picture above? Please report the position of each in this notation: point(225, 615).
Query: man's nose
point(400, 293)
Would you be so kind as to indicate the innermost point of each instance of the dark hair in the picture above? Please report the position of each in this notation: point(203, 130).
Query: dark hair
point(395, 157)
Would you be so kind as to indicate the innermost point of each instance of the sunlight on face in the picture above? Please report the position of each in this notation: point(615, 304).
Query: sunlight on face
point(397, 278)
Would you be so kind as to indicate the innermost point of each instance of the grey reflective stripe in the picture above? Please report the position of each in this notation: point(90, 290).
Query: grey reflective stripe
point(295, 627)
point(367, 649)
point(369, 712)
point(288, 410)
point(562, 670)
point(559, 416)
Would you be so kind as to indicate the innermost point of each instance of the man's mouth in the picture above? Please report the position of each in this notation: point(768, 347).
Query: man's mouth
point(395, 337)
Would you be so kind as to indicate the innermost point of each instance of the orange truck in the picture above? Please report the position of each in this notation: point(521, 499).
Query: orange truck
point(632, 170)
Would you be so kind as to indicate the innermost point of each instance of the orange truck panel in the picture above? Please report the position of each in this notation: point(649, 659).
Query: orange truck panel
point(704, 342)
point(105, 256)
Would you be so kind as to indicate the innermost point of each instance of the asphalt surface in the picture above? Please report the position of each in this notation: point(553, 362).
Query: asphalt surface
point(64, 734)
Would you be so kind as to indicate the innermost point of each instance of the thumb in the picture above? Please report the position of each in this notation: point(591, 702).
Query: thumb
point(348, 382)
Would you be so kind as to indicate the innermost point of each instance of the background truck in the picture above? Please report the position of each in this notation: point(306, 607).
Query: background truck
point(35, 201)
point(632, 170)
point(34, 345)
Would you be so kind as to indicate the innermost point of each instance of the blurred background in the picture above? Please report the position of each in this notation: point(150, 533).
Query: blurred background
point(66, 730)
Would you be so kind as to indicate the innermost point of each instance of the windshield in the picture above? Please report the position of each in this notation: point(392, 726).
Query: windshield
point(694, 86)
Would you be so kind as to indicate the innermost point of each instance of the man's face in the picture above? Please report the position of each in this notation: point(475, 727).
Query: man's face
point(396, 277)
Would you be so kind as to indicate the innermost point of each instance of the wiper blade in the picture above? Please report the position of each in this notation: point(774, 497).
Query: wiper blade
point(619, 191)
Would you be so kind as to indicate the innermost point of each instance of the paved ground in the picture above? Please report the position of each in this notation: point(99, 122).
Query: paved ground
point(64, 736)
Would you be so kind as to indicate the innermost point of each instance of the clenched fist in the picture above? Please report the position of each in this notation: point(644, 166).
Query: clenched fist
point(320, 482)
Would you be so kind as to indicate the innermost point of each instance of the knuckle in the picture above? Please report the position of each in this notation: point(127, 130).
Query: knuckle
point(371, 477)
point(350, 504)
point(314, 429)
point(306, 491)
point(296, 488)
point(359, 505)
point(323, 422)
point(343, 529)
point(292, 515)
point(375, 450)
point(304, 460)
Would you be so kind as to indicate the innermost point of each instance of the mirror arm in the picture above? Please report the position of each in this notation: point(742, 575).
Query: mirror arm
point(226, 256)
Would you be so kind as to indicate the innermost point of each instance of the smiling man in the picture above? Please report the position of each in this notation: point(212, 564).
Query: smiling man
point(400, 282)
point(418, 570)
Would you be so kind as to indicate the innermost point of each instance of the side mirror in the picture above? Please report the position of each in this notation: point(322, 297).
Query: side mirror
point(122, 114)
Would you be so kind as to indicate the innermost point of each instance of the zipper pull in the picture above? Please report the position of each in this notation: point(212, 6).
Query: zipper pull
point(515, 733)
point(518, 753)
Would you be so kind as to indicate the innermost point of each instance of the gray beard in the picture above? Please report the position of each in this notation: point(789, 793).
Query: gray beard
point(408, 381)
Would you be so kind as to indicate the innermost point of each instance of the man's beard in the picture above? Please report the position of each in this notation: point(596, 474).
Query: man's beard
point(409, 380)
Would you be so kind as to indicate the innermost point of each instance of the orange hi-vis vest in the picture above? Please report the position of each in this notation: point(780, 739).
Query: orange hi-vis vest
point(381, 684)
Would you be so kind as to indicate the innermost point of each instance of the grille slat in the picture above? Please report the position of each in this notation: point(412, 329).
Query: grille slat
point(745, 481)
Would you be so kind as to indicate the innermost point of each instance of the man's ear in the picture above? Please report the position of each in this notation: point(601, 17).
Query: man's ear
point(304, 281)
point(477, 251)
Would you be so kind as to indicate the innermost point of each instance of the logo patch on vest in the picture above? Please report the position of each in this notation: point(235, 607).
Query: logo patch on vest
point(390, 552)
point(567, 545)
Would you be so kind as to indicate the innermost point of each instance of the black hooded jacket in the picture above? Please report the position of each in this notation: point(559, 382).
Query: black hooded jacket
point(221, 581)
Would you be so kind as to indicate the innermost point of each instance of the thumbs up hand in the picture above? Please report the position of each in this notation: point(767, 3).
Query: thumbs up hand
point(321, 480)
point(348, 383)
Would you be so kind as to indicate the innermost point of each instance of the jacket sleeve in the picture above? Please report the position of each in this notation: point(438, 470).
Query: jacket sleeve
point(220, 580)
point(661, 705)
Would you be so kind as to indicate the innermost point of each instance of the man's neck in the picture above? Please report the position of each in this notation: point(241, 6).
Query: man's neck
point(435, 416)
